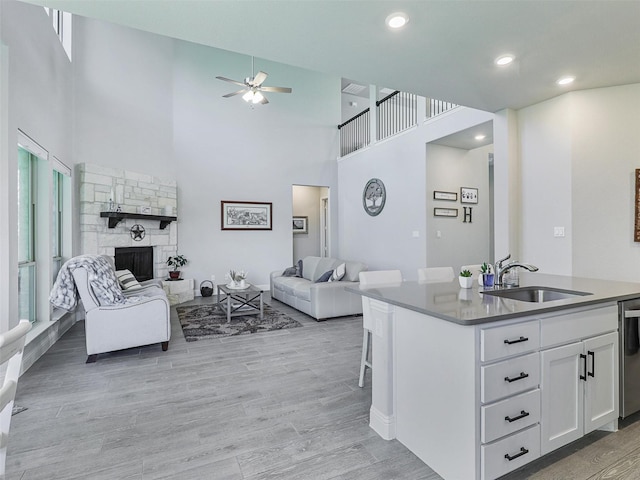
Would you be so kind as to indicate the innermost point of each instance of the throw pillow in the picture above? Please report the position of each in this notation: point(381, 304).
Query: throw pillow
point(127, 281)
point(338, 273)
point(325, 277)
point(290, 272)
point(299, 269)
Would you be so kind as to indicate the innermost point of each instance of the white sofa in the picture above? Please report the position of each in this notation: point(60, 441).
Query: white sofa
point(319, 300)
point(116, 327)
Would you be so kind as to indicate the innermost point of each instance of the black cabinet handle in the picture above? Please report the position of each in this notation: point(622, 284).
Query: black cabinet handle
point(584, 377)
point(513, 419)
point(592, 373)
point(521, 339)
point(522, 375)
point(523, 451)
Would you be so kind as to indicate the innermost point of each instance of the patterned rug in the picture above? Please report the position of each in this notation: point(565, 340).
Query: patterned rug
point(210, 321)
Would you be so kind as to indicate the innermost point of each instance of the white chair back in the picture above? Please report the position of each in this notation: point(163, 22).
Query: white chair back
point(435, 274)
point(11, 349)
point(380, 277)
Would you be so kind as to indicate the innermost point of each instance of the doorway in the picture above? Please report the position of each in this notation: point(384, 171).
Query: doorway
point(311, 222)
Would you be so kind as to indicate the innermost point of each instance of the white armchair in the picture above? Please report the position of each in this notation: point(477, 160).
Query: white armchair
point(144, 321)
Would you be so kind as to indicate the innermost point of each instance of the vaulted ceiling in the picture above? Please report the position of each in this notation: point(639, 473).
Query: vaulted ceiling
point(446, 51)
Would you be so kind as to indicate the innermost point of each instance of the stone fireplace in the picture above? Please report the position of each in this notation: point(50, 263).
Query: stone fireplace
point(138, 260)
point(133, 193)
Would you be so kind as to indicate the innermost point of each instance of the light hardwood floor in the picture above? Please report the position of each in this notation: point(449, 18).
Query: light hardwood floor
point(280, 405)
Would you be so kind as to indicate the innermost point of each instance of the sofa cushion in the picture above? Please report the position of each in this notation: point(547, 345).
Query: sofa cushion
point(338, 273)
point(353, 270)
point(303, 291)
point(309, 265)
point(290, 272)
point(324, 265)
point(289, 284)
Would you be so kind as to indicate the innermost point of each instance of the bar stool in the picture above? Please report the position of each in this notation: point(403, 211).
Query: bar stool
point(372, 279)
point(435, 274)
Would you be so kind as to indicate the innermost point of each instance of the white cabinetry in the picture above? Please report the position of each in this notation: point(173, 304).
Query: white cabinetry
point(579, 389)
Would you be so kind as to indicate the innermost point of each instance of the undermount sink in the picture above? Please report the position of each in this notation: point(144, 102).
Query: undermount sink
point(536, 294)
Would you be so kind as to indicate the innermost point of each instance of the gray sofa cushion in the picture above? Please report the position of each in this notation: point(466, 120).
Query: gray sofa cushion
point(309, 265)
point(353, 271)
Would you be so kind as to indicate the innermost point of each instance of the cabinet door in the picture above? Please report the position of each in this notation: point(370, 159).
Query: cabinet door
point(562, 393)
point(601, 388)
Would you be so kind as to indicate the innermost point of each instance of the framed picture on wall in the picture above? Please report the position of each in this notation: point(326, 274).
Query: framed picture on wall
point(245, 215)
point(445, 212)
point(468, 195)
point(449, 196)
point(300, 224)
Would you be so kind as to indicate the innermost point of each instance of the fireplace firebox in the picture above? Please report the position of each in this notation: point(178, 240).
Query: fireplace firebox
point(138, 260)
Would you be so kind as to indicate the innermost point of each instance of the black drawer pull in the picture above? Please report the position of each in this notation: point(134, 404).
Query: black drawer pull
point(521, 339)
point(522, 375)
point(523, 451)
point(583, 377)
point(592, 373)
point(513, 419)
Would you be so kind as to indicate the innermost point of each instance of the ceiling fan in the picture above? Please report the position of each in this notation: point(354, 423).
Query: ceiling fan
point(253, 88)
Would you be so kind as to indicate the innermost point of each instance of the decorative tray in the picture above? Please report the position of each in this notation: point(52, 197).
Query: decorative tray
point(235, 287)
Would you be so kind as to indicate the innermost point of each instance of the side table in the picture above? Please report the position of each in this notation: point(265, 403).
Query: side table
point(245, 301)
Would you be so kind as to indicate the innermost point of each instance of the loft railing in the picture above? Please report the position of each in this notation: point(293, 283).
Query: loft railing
point(436, 107)
point(396, 112)
point(355, 133)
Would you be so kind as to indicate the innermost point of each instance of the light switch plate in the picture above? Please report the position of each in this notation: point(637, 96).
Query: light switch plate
point(558, 231)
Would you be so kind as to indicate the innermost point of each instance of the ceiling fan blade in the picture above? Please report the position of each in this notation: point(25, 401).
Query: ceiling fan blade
point(259, 78)
point(276, 89)
point(235, 93)
point(224, 79)
point(264, 100)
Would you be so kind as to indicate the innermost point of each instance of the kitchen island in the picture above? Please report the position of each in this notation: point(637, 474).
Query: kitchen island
point(477, 385)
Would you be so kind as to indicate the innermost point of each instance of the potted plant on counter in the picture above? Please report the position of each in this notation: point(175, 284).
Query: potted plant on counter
point(176, 262)
point(465, 279)
point(487, 275)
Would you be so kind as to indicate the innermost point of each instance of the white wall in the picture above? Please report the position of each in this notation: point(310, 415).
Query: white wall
point(579, 153)
point(306, 203)
point(387, 241)
point(153, 105)
point(459, 243)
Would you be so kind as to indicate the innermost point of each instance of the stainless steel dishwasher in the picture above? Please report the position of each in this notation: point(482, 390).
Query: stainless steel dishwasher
point(629, 329)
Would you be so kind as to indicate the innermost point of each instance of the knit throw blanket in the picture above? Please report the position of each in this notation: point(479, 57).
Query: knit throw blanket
point(102, 280)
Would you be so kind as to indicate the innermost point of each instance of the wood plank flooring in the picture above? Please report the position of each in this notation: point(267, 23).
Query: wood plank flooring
point(280, 405)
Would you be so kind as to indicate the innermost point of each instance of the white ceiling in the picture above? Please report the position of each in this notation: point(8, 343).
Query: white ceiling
point(445, 52)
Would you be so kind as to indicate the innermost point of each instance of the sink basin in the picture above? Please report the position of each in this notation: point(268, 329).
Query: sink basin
point(536, 294)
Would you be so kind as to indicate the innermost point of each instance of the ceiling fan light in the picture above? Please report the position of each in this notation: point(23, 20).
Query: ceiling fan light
point(247, 97)
point(257, 97)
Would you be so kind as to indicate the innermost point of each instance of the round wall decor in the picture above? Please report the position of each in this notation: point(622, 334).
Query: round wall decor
point(137, 232)
point(374, 197)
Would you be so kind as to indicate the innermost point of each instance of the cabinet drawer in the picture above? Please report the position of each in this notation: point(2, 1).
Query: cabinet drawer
point(508, 340)
point(509, 377)
point(510, 415)
point(578, 325)
point(510, 453)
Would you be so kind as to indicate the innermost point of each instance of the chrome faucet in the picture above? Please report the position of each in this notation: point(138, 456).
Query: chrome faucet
point(500, 270)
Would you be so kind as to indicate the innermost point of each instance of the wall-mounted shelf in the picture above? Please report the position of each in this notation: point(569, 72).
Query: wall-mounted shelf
point(116, 217)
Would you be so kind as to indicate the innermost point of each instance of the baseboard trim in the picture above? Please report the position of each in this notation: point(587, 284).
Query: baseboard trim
point(383, 425)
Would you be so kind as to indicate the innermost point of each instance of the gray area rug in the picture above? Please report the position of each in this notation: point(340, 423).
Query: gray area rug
point(210, 321)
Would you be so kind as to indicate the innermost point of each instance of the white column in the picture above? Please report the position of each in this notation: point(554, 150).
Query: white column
point(382, 417)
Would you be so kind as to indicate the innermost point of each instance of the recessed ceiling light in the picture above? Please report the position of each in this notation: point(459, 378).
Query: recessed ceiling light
point(565, 80)
point(480, 137)
point(397, 20)
point(504, 60)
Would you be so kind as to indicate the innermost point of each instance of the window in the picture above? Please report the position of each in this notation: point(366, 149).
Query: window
point(44, 226)
point(27, 164)
point(62, 26)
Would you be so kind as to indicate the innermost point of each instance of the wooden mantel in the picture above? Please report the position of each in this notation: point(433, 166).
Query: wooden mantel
point(116, 217)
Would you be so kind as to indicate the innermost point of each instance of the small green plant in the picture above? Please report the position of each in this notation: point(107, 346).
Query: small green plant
point(485, 268)
point(177, 261)
point(465, 273)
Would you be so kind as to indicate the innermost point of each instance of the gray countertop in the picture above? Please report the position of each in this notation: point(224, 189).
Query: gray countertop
point(469, 306)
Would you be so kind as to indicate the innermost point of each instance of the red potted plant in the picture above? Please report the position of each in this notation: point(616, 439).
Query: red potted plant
point(176, 262)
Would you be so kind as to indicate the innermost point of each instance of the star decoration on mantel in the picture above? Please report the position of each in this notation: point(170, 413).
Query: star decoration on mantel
point(137, 232)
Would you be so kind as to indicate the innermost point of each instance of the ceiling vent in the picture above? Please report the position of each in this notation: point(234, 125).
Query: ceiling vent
point(353, 89)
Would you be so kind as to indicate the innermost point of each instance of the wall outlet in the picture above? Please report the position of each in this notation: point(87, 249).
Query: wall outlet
point(558, 231)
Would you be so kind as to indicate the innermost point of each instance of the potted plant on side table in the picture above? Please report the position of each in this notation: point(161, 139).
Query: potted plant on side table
point(176, 262)
point(465, 279)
